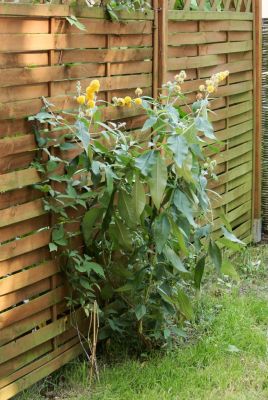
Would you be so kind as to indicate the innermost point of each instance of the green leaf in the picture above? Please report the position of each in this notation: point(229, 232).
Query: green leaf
point(139, 197)
point(230, 236)
point(126, 209)
point(179, 147)
point(215, 255)
point(229, 270)
point(53, 247)
point(203, 125)
point(149, 123)
point(185, 305)
point(146, 161)
point(121, 235)
point(178, 235)
point(199, 271)
point(228, 244)
point(140, 311)
point(89, 222)
point(97, 268)
point(158, 181)
point(183, 204)
point(175, 260)
point(161, 230)
point(82, 132)
point(74, 21)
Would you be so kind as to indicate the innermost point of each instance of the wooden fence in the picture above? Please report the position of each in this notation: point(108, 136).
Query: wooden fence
point(42, 55)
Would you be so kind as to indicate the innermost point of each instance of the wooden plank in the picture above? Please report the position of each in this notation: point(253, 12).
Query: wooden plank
point(11, 332)
point(99, 13)
point(37, 10)
point(23, 25)
point(35, 358)
point(21, 161)
point(32, 307)
point(230, 47)
point(18, 196)
point(227, 25)
point(18, 179)
point(209, 15)
point(41, 372)
point(25, 76)
point(17, 145)
point(25, 343)
point(182, 38)
point(25, 245)
point(12, 60)
point(28, 277)
point(175, 64)
point(105, 27)
point(22, 212)
point(230, 175)
point(233, 153)
point(13, 298)
point(16, 93)
point(24, 227)
point(103, 55)
point(232, 195)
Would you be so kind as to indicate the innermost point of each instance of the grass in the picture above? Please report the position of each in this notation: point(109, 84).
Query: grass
point(226, 357)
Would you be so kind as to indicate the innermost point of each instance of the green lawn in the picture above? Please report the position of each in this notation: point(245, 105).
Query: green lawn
point(226, 357)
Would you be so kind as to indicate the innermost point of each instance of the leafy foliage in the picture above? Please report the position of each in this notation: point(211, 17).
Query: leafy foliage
point(147, 222)
point(179, 5)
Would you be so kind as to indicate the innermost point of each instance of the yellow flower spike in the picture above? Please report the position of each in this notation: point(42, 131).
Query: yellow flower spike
point(95, 85)
point(120, 102)
point(128, 101)
point(90, 95)
point(202, 88)
point(138, 92)
point(138, 101)
point(91, 104)
point(177, 89)
point(211, 89)
point(81, 100)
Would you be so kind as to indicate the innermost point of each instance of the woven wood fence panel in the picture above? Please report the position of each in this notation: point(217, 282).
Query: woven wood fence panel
point(42, 55)
point(204, 43)
point(265, 127)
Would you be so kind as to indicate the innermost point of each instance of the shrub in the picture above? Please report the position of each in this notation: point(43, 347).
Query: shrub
point(148, 223)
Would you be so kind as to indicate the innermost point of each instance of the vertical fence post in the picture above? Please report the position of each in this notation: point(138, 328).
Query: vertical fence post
point(257, 159)
point(163, 41)
point(155, 49)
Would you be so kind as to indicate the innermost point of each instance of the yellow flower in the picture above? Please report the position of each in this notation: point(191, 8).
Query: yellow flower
point(81, 100)
point(178, 88)
point(209, 82)
point(211, 89)
point(202, 88)
point(120, 102)
point(138, 92)
point(95, 85)
point(128, 101)
point(91, 104)
point(138, 101)
point(90, 93)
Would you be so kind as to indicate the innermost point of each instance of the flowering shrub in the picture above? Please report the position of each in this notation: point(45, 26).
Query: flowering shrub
point(147, 224)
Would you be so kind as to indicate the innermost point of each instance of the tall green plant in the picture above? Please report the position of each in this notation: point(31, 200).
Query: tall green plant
point(147, 223)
